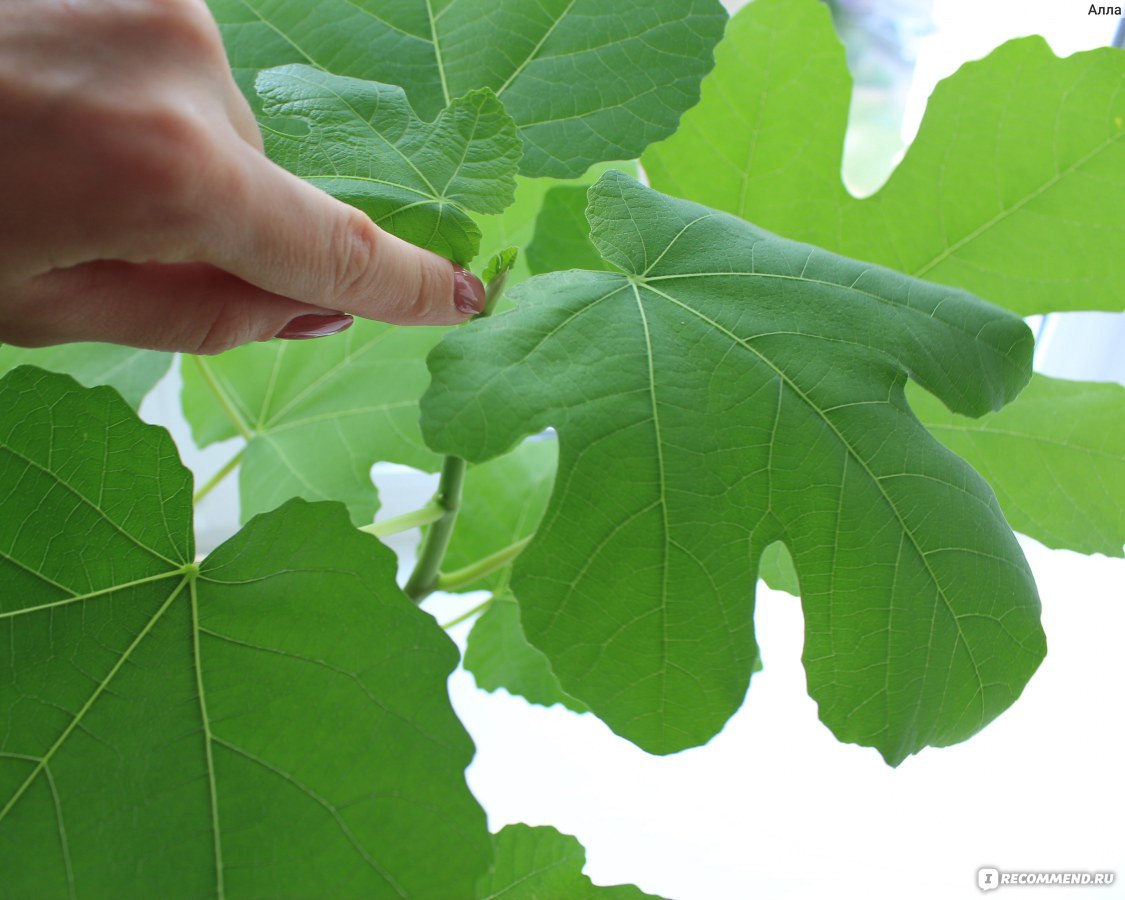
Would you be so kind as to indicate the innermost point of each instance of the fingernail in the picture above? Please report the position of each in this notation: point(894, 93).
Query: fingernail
point(468, 292)
point(314, 326)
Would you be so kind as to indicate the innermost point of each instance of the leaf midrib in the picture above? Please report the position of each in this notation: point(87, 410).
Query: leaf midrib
point(370, 125)
point(434, 42)
point(281, 34)
point(853, 454)
point(967, 239)
point(533, 873)
point(208, 741)
point(898, 307)
point(325, 804)
point(92, 699)
point(65, 601)
point(666, 530)
point(345, 362)
point(1030, 437)
point(82, 498)
point(535, 50)
point(437, 50)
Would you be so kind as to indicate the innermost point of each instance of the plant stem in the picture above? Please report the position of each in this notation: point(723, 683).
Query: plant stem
point(424, 579)
point(480, 607)
point(218, 477)
point(470, 573)
point(431, 512)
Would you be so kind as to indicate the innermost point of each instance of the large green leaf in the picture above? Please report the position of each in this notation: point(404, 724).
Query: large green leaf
point(316, 414)
point(1038, 454)
point(1012, 189)
point(585, 81)
point(728, 389)
point(271, 722)
point(361, 142)
point(131, 371)
point(544, 864)
point(1056, 459)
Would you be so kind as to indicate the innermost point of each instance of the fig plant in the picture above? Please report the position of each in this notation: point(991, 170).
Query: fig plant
point(665, 403)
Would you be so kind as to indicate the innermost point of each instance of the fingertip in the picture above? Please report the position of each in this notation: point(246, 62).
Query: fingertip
point(468, 291)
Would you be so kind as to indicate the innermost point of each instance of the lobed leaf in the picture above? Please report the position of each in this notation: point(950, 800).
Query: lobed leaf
point(363, 144)
point(1037, 454)
point(316, 415)
point(727, 389)
point(1013, 187)
point(585, 81)
point(534, 863)
point(500, 263)
point(270, 722)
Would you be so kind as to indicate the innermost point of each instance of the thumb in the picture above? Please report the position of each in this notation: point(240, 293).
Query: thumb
point(287, 237)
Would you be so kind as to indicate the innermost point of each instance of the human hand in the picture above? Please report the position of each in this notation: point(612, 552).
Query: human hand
point(138, 207)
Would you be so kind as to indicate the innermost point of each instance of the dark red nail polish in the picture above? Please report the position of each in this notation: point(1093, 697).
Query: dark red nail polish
point(314, 326)
point(468, 292)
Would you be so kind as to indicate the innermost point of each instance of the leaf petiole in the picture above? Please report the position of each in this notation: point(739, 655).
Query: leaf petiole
point(216, 479)
point(425, 515)
point(460, 578)
point(465, 616)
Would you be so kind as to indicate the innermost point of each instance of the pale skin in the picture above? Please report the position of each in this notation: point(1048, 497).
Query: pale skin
point(137, 206)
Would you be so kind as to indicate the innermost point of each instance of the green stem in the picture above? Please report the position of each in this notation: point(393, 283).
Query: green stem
point(431, 512)
point(424, 579)
point(217, 478)
point(480, 607)
point(460, 578)
point(223, 398)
